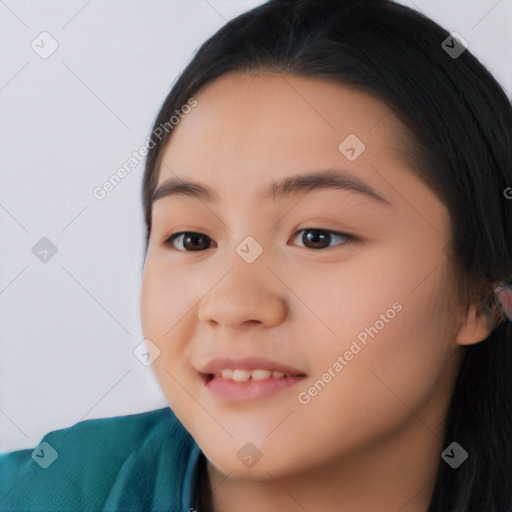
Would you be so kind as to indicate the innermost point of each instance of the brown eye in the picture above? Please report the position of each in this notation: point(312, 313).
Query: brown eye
point(315, 238)
point(191, 241)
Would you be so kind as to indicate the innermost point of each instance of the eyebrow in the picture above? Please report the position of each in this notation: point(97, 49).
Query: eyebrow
point(291, 185)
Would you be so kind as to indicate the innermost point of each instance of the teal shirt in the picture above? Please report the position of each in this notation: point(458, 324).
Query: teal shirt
point(143, 462)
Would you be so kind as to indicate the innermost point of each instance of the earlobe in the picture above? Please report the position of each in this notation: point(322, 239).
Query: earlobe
point(476, 325)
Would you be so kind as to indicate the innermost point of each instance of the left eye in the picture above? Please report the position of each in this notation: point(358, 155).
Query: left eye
point(315, 238)
point(318, 238)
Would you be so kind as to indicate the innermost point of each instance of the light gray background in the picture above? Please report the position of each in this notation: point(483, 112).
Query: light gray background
point(68, 327)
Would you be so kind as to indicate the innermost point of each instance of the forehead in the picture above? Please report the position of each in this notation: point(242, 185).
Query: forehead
point(291, 107)
point(250, 129)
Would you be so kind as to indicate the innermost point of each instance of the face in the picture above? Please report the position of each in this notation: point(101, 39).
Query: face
point(344, 289)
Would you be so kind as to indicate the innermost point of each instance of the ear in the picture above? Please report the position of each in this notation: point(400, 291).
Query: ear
point(476, 325)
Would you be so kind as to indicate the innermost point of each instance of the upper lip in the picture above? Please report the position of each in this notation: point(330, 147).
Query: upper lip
point(249, 363)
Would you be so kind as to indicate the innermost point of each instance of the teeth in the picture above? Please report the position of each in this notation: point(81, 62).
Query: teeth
point(261, 374)
point(226, 374)
point(241, 375)
point(245, 375)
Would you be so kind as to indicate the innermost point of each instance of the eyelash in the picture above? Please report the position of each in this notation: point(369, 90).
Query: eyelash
point(348, 238)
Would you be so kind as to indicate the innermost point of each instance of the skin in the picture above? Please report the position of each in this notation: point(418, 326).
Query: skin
point(371, 439)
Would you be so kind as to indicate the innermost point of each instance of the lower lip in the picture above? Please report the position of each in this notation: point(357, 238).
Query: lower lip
point(231, 390)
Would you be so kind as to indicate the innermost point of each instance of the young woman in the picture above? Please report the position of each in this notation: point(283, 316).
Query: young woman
point(326, 292)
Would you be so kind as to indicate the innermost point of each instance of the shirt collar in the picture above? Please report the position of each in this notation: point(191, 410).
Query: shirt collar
point(189, 486)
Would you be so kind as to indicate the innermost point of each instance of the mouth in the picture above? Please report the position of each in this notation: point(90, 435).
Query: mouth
point(248, 379)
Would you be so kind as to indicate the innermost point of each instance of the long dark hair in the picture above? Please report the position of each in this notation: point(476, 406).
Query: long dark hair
point(461, 125)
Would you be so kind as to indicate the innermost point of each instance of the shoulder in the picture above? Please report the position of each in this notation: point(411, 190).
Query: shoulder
point(85, 465)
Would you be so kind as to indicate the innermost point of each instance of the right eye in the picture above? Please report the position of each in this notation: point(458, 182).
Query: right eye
point(191, 241)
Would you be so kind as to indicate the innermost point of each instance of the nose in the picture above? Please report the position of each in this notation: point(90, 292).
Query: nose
point(249, 294)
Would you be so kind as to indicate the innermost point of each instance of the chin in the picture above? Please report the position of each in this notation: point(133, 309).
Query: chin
point(229, 460)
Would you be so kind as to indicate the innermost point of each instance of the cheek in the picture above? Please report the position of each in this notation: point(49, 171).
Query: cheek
point(407, 351)
point(163, 299)
point(397, 374)
point(166, 301)
point(415, 357)
point(393, 338)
